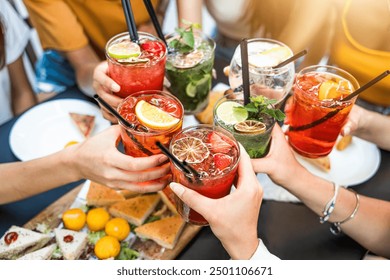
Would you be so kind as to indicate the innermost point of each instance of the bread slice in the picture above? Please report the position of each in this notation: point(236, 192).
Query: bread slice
point(72, 243)
point(164, 232)
point(99, 195)
point(206, 116)
point(135, 210)
point(24, 241)
point(128, 193)
point(84, 123)
point(167, 197)
point(41, 254)
point(322, 163)
point(344, 142)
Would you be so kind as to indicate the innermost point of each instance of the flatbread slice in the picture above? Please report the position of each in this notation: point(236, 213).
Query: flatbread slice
point(72, 243)
point(164, 232)
point(322, 163)
point(135, 210)
point(99, 195)
point(167, 197)
point(84, 123)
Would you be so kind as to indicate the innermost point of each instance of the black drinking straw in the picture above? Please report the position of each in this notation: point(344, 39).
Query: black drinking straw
point(334, 112)
point(124, 122)
point(245, 70)
point(130, 20)
point(154, 19)
point(184, 166)
point(291, 59)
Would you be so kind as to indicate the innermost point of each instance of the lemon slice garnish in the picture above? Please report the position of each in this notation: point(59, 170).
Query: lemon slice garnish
point(153, 117)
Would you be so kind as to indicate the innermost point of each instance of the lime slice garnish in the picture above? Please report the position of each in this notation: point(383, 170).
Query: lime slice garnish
point(190, 149)
point(226, 113)
point(124, 50)
point(189, 60)
point(195, 86)
point(250, 127)
point(270, 57)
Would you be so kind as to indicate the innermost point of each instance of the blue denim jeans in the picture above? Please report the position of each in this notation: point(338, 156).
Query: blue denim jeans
point(54, 73)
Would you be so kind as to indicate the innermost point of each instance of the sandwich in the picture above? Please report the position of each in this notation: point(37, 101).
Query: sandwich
point(164, 232)
point(135, 210)
point(71, 243)
point(41, 254)
point(322, 163)
point(18, 241)
point(84, 123)
point(167, 196)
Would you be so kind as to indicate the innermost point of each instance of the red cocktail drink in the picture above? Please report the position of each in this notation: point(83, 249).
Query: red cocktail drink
point(156, 115)
point(317, 112)
point(138, 70)
point(214, 154)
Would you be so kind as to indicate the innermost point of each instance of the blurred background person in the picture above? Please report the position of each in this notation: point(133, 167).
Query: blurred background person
point(300, 24)
point(16, 93)
point(74, 33)
point(361, 46)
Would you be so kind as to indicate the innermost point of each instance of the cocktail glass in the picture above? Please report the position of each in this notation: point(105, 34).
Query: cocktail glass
point(214, 154)
point(263, 55)
point(253, 134)
point(190, 74)
point(144, 72)
point(163, 114)
point(317, 112)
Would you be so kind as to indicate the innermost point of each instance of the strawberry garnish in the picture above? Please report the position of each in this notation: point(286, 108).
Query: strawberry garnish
point(219, 143)
point(153, 47)
point(222, 161)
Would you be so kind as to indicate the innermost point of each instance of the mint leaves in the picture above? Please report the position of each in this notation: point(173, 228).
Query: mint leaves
point(186, 41)
point(260, 105)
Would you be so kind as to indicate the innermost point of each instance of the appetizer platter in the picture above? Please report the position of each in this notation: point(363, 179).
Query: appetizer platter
point(94, 222)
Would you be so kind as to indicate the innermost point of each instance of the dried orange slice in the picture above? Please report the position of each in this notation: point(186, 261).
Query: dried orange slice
point(250, 127)
point(189, 60)
point(153, 117)
point(190, 149)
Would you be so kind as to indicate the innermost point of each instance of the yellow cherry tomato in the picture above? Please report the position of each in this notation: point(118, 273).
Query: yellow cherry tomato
point(74, 219)
point(107, 247)
point(118, 228)
point(97, 219)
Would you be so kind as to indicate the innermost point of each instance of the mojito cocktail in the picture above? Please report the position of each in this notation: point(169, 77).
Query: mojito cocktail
point(156, 115)
point(190, 72)
point(214, 154)
point(136, 67)
point(317, 112)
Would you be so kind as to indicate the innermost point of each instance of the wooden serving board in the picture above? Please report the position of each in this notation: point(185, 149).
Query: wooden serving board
point(51, 216)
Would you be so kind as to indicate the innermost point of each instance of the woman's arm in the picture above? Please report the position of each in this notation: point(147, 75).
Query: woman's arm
point(371, 225)
point(189, 10)
point(22, 94)
point(97, 159)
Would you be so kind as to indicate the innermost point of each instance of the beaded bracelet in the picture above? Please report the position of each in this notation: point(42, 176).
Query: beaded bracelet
point(329, 207)
point(335, 227)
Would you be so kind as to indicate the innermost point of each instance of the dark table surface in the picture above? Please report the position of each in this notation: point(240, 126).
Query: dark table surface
point(289, 230)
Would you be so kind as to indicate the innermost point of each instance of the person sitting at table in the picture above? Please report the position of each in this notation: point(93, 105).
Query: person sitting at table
point(302, 24)
point(365, 219)
point(16, 92)
point(73, 35)
point(97, 159)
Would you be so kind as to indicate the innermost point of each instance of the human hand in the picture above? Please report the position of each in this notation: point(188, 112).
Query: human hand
point(233, 218)
point(99, 160)
point(355, 121)
point(280, 162)
point(104, 86)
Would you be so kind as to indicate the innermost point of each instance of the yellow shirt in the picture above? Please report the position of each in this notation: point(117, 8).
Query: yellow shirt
point(361, 45)
point(67, 25)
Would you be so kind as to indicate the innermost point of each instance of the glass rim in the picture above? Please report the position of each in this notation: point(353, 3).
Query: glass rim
point(334, 70)
point(126, 34)
point(155, 132)
point(210, 127)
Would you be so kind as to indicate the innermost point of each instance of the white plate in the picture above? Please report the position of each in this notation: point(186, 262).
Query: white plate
point(47, 127)
point(353, 166)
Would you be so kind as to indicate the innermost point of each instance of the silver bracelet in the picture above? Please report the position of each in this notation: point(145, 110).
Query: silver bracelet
point(335, 227)
point(329, 207)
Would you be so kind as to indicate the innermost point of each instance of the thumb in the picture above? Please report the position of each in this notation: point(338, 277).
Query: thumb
point(194, 200)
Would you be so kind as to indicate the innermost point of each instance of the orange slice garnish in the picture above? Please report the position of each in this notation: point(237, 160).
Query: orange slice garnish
point(250, 127)
point(190, 149)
